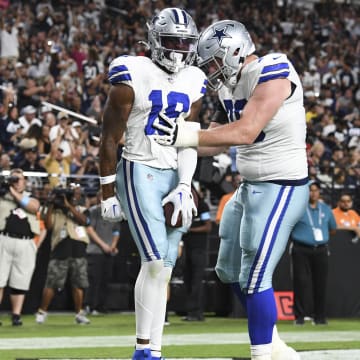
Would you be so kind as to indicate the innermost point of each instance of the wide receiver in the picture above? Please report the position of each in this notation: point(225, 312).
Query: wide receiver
point(261, 112)
point(145, 92)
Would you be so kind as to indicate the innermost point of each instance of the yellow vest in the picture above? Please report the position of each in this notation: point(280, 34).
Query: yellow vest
point(62, 222)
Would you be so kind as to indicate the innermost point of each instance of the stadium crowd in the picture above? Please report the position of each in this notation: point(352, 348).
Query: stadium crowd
point(58, 52)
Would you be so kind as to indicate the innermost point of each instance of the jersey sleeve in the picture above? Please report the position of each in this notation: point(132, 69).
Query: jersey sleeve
point(119, 71)
point(273, 66)
point(199, 81)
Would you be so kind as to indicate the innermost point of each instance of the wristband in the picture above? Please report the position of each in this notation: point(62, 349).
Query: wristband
point(107, 179)
point(24, 201)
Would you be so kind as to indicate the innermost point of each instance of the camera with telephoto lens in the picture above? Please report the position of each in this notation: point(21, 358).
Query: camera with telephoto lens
point(6, 182)
point(58, 196)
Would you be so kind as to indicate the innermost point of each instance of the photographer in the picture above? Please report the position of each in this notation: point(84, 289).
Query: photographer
point(18, 226)
point(69, 239)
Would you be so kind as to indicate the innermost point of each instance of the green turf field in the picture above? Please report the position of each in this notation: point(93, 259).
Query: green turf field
point(112, 336)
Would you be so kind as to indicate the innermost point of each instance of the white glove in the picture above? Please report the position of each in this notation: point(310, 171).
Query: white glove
point(111, 209)
point(168, 128)
point(175, 132)
point(183, 202)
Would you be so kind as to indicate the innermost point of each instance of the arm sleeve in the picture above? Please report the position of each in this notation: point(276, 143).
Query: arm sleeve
point(187, 160)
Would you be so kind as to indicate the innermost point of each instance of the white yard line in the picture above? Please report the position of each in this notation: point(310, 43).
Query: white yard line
point(184, 339)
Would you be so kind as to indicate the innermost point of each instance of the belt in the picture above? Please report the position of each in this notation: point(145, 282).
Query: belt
point(319, 246)
point(16, 236)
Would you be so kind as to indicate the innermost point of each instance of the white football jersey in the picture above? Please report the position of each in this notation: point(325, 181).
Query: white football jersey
point(279, 152)
point(155, 90)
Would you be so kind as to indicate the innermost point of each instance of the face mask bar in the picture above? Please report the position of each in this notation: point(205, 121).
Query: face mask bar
point(214, 70)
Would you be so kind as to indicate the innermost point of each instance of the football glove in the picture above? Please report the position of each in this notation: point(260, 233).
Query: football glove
point(183, 202)
point(111, 209)
point(175, 132)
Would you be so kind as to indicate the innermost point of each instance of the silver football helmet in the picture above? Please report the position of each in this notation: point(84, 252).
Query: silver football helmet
point(172, 37)
point(222, 49)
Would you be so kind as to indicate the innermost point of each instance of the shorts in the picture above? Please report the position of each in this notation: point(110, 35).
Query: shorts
point(17, 262)
point(58, 271)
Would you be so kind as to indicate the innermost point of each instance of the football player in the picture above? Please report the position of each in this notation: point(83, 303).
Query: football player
point(146, 91)
point(261, 112)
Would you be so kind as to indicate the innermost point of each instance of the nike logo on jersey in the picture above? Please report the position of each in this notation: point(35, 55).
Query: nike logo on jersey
point(256, 192)
point(276, 57)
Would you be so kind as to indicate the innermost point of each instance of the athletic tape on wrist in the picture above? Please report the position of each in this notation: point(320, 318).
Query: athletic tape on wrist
point(107, 179)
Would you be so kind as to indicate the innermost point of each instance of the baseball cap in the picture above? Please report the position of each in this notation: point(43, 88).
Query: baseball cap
point(62, 115)
point(76, 124)
point(29, 109)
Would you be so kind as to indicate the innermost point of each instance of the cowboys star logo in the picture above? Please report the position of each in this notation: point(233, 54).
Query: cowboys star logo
point(220, 34)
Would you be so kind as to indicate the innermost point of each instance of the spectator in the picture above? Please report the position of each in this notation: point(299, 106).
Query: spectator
point(18, 226)
point(69, 240)
point(28, 118)
point(90, 168)
point(9, 44)
point(104, 237)
point(56, 164)
point(309, 255)
point(5, 162)
point(67, 132)
point(195, 246)
point(44, 144)
point(11, 131)
point(346, 218)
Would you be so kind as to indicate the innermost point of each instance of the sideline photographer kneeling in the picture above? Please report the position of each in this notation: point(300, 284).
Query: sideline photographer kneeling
point(18, 226)
point(67, 221)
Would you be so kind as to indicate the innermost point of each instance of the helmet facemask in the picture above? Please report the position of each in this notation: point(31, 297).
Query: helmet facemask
point(172, 39)
point(174, 52)
point(222, 49)
point(221, 69)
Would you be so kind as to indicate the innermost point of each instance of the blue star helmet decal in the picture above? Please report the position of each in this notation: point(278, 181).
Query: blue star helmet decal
point(220, 34)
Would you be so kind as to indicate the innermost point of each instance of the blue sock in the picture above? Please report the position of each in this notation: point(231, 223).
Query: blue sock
point(142, 354)
point(262, 315)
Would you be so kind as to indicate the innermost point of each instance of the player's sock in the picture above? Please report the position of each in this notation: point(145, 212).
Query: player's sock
point(157, 325)
point(147, 297)
point(262, 315)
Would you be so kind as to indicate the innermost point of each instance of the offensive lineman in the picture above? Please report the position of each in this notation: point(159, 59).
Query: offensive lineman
point(149, 175)
point(262, 100)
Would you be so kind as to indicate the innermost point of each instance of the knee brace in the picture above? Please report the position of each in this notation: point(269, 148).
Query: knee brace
point(17, 292)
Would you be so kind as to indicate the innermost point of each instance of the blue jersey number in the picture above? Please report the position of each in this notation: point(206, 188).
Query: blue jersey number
point(174, 99)
point(233, 109)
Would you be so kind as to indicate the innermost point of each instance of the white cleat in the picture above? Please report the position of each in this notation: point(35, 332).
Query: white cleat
point(281, 351)
point(81, 319)
point(40, 316)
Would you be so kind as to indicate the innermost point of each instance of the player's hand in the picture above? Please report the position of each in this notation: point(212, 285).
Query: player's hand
point(183, 202)
point(168, 129)
point(176, 132)
point(111, 209)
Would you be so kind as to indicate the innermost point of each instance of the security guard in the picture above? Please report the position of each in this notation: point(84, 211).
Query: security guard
point(310, 257)
point(18, 226)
